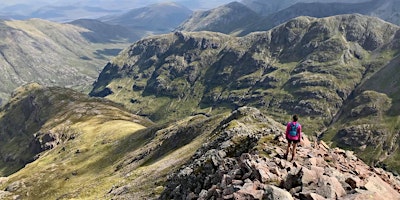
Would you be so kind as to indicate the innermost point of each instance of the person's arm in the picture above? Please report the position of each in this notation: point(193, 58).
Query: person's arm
point(300, 133)
point(287, 129)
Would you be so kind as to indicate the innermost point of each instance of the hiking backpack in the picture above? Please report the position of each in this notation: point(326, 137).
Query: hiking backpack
point(293, 129)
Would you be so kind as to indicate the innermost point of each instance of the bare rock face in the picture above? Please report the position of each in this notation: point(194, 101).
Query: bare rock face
point(254, 169)
point(360, 135)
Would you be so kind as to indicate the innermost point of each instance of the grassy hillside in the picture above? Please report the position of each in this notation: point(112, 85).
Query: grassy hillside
point(102, 152)
point(60, 144)
point(51, 54)
point(309, 66)
point(118, 159)
point(370, 122)
point(64, 140)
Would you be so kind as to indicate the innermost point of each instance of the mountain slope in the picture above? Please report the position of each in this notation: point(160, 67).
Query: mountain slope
point(389, 10)
point(155, 18)
point(108, 154)
point(319, 9)
point(273, 13)
point(370, 122)
point(266, 8)
point(307, 66)
point(101, 32)
point(38, 119)
point(51, 54)
point(224, 19)
point(66, 13)
point(65, 136)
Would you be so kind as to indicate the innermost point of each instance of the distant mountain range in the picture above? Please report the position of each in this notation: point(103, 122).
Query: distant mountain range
point(100, 32)
point(58, 13)
point(153, 19)
point(64, 11)
point(77, 49)
point(318, 9)
point(274, 13)
point(225, 19)
point(266, 8)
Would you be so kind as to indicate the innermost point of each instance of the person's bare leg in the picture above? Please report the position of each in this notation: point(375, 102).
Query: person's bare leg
point(294, 150)
point(287, 151)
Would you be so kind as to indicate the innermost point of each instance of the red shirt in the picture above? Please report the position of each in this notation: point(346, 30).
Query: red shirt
point(298, 136)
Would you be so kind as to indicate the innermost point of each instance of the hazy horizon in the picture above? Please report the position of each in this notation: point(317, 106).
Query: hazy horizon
point(111, 4)
point(69, 10)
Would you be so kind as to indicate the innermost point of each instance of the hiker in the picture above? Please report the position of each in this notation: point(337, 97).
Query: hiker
point(293, 136)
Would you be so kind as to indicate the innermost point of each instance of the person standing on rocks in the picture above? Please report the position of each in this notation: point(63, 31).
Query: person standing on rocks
point(293, 136)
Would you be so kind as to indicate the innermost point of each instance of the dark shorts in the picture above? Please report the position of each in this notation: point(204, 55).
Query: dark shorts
point(292, 141)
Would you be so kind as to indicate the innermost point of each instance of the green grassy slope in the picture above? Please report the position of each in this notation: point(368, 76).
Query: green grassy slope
point(370, 122)
point(307, 66)
point(50, 53)
point(60, 144)
point(63, 140)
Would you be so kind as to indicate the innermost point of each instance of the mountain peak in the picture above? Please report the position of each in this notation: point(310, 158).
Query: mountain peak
point(233, 4)
point(225, 19)
point(167, 3)
point(157, 18)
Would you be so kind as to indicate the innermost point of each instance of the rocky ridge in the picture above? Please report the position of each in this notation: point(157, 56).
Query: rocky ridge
point(269, 14)
point(231, 155)
point(254, 169)
point(312, 9)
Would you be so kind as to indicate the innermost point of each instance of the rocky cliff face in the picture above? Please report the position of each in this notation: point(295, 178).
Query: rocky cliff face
point(313, 67)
